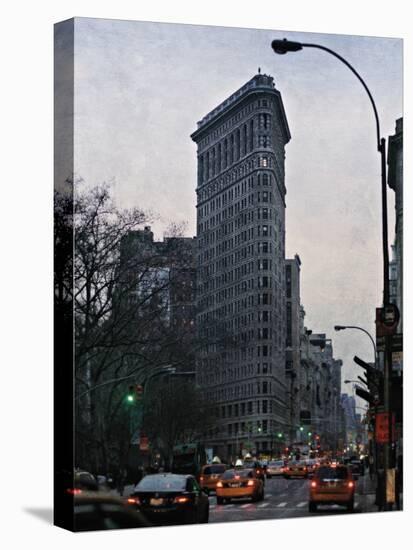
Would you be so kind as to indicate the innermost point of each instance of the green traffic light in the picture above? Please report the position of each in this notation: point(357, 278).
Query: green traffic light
point(130, 398)
point(280, 434)
point(309, 434)
point(301, 429)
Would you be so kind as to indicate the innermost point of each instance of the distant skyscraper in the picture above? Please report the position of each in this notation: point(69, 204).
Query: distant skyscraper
point(240, 267)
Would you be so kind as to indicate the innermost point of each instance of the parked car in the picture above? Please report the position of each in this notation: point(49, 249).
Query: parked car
point(210, 474)
point(170, 498)
point(275, 468)
point(357, 467)
point(243, 483)
point(96, 511)
point(332, 485)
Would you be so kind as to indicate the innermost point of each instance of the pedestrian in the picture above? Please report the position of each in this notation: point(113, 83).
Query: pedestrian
point(121, 481)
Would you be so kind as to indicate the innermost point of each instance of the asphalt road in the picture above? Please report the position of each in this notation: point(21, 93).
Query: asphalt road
point(286, 498)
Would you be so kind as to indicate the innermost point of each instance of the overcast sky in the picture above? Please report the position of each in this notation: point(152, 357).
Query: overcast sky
point(140, 89)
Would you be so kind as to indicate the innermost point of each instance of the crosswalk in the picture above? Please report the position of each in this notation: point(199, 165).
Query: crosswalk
point(263, 505)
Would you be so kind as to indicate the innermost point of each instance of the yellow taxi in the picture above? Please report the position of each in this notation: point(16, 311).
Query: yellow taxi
point(332, 485)
point(239, 483)
point(209, 476)
point(296, 468)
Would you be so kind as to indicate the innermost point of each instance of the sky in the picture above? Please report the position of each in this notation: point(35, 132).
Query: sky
point(140, 89)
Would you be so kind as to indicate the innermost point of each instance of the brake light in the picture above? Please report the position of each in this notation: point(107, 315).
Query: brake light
point(250, 482)
point(181, 500)
point(133, 500)
point(313, 484)
point(351, 484)
point(236, 477)
point(219, 484)
point(258, 471)
point(73, 491)
point(201, 479)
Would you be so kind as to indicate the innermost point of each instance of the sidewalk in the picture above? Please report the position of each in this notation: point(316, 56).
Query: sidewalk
point(366, 486)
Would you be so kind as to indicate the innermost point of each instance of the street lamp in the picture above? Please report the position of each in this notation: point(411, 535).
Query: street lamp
point(337, 328)
point(282, 47)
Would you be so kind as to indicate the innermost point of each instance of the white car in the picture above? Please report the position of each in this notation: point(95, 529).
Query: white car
point(275, 468)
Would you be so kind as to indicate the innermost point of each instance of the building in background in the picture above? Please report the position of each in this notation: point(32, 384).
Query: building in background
point(241, 270)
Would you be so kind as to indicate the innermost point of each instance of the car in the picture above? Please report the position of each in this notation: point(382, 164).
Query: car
point(81, 481)
point(96, 511)
point(332, 485)
point(168, 498)
point(357, 467)
point(256, 466)
point(296, 468)
point(210, 474)
point(275, 468)
point(239, 483)
point(312, 465)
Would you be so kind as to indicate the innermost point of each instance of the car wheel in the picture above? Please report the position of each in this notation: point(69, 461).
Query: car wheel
point(350, 506)
point(268, 476)
point(312, 507)
point(205, 519)
point(220, 500)
point(262, 495)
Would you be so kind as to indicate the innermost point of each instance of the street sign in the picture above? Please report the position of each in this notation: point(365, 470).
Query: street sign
point(383, 427)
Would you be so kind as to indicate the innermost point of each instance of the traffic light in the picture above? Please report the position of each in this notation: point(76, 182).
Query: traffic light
point(374, 381)
point(135, 393)
point(301, 428)
point(310, 434)
point(279, 435)
point(130, 396)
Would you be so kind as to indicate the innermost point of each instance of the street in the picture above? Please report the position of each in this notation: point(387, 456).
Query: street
point(287, 499)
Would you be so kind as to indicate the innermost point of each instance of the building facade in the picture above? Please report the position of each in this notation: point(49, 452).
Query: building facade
point(240, 267)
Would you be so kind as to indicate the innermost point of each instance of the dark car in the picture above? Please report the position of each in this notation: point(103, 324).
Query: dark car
point(357, 467)
point(170, 498)
point(96, 511)
point(79, 482)
point(256, 466)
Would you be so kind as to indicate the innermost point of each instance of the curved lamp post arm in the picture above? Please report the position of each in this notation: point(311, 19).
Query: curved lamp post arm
point(369, 335)
point(353, 70)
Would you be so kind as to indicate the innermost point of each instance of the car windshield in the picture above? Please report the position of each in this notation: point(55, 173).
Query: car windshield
point(276, 463)
point(230, 474)
point(252, 465)
point(162, 483)
point(332, 473)
point(214, 469)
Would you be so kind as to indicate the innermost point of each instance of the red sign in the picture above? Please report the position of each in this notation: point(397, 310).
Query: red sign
point(383, 427)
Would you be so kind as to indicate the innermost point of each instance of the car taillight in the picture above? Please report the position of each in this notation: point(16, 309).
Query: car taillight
point(73, 491)
point(313, 484)
point(219, 484)
point(133, 500)
point(181, 500)
point(258, 471)
point(351, 484)
point(201, 479)
point(250, 482)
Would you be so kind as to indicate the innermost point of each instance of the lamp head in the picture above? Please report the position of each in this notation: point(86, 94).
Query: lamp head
point(339, 327)
point(283, 46)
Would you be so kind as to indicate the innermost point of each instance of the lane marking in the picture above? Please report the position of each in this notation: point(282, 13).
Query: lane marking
point(301, 504)
point(211, 506)
point(229, 505)
point(281, 505)
point(356, 505)
point(263, 505)
point(248, 505)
